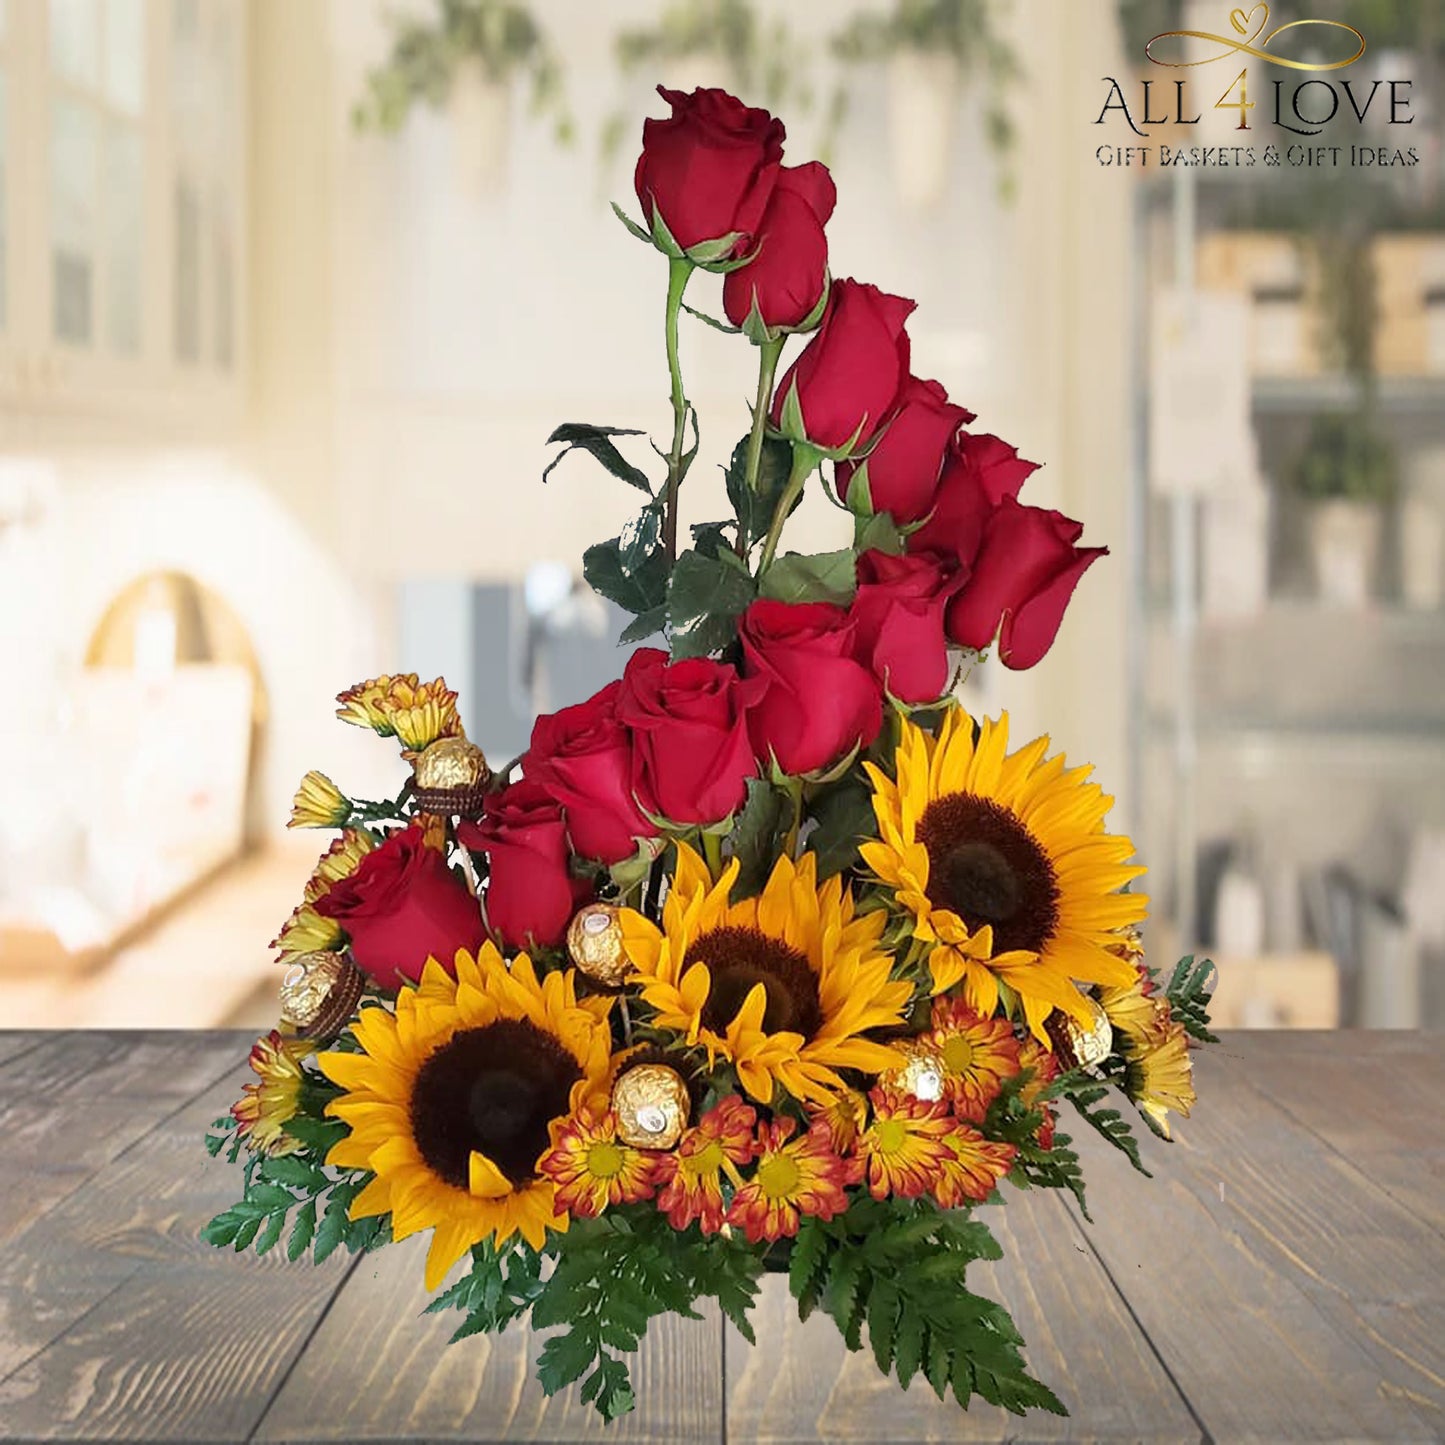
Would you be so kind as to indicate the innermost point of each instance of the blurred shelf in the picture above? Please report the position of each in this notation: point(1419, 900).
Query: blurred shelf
point(1297, 395)
point(1263, 730)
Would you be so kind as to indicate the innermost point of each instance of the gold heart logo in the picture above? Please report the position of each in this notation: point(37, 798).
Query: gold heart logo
point(1241, 21)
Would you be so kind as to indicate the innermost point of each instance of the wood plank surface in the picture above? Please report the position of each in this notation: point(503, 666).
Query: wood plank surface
point(799, 1382)
point(402, 1381)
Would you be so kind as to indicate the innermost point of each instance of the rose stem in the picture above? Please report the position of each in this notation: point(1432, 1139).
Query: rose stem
point(679, 269)
point(805, 459)
point(768, 354)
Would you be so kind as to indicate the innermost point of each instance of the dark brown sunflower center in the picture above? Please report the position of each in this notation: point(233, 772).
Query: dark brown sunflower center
point(741, 958)
point(985, 866)
point(494, 1090)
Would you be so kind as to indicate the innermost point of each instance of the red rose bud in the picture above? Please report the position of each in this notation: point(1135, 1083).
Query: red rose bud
point(785, 282)
point(902, 470)
point(707, 173)
point(691, 753)
point(819, 702)
point(839, 392)
point(978, 473)
point(898, 618)
point(531, 891)
point(1025, 573)
point(402, 906)
point(582, 755)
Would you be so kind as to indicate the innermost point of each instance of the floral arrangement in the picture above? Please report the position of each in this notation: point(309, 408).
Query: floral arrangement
point(766, 957)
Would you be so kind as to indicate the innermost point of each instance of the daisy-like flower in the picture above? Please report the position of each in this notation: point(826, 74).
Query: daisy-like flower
point(415, 713)
point(782, 986)
point(977, 1055)
point(265, 1107)
point(339, 861)
point(592, 1168)
point(691, 1176)
point(844, 1118)
point(306, 931)
point(973, 1168)
point(1045, 1069)
point(361, 706)
point(319, 803)
point(1159, 1076)
point(1004, 864)
point(1137, 1014)
point(793, 1177)
point(904, 1150)
point(452, 1099)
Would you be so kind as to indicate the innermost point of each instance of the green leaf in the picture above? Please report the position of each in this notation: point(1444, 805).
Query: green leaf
point(269, 1197)
point(302, 1231)
point(293, 1170)
point(271, 1234)
point(754, 509)
point(221, 1230)
point(318, 1135)
point(639, 539)
point(706, 597)
point(330, 1232)
point(596, 441)
point(645, 625)
point(565, 1357)
point(757, 836)
point(246, 1233)
point(825, 577)
point(1189, 990)
point(879, 533)
point(844, 815)
point(639, 590)
point(710, 538)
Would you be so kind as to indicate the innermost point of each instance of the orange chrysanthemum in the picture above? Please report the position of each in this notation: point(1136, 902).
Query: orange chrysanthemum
point(265, 1107)
point(793, 1177)
point(592, 1168)
point(1045, 1070)
point(903, 1149)
point(691, 1176)
point(977, 1055)
point(844, 1119)
point(973, 1168)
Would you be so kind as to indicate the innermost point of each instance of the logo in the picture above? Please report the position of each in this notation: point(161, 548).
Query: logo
point(1247, 30)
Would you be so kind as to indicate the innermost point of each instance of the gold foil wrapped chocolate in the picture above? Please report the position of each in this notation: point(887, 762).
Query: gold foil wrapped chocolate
point(652, 1106)
point(1081, 1046)
point(451, 778)
point(594, 944)
point(921, 1075)
point(319, 994)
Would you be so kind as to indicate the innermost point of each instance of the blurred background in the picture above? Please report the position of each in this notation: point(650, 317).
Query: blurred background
point(293, 291)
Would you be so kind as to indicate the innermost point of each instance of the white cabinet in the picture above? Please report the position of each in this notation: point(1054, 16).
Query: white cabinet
point(122, 209)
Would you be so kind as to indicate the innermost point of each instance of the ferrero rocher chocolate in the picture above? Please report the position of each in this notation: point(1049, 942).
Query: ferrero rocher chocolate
point(1081, 1046)
point(594, 943)
point(652, 1104)
point(921, 1075)
point(450, 779)
point(319, 993)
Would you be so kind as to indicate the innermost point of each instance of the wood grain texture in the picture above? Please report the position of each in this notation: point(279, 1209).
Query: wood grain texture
point(1249, 1261)
point(14, 1042)
point(121, 1064)
point(402, 1381)
point(799, 1383)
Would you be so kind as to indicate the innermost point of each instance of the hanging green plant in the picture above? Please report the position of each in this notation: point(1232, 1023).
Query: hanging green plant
point(501, 38)
point(1346, 459)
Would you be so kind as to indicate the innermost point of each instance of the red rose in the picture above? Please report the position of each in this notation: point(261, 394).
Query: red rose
point(819, 702)
point(898, 617)
point(583, 757)
point(902, 470)
point(847, 379)
point(978, 473)
point(786, 279)
point(402, 906)
point(1025, 573)
point(692, 757)
point(531, 892)
point(710, 169)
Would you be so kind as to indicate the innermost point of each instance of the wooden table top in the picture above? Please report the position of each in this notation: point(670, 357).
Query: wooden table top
point(1282, 1277)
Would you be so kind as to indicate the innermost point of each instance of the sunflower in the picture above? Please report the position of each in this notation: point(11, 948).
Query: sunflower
point(592, 1168)
point(266, 1106)
point(977, 1054)
point(1004, 864)
point(973, 1168)
point(782, 986)
point(794, 1177)
point(452, 1101)
point(691, 1176)
point(904, 1150)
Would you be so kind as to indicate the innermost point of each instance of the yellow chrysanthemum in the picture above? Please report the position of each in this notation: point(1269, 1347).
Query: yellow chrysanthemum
point(416, 713)
point(1159, 1076)
point(782, 985)
point(1004, 864)
point(319, 803)
point(339, 861)
point(306, 931)
point(452, 1102)
point(266, 1106)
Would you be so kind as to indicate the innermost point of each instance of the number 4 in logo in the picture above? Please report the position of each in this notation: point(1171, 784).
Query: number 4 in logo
point(1244, 103)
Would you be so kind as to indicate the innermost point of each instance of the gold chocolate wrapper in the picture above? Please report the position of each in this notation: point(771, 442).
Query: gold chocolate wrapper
point(594, 944)
point(652, 1105)
point(319, 993)
point(1081, 1046)
point(451, 778)
point(921, 1076)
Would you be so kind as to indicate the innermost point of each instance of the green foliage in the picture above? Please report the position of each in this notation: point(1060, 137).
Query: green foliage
point(1345, 457)
point(844, 817)
point(895, 1269)
point(500, 1287)
point(1189, 991)
point(758, 835)
point(425, 56)
point(825, 577)
point(706, 597)
point(1085, 1093)
point(597, 441)
point(754, 508)
point(612, 1277)
point(640, 588)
